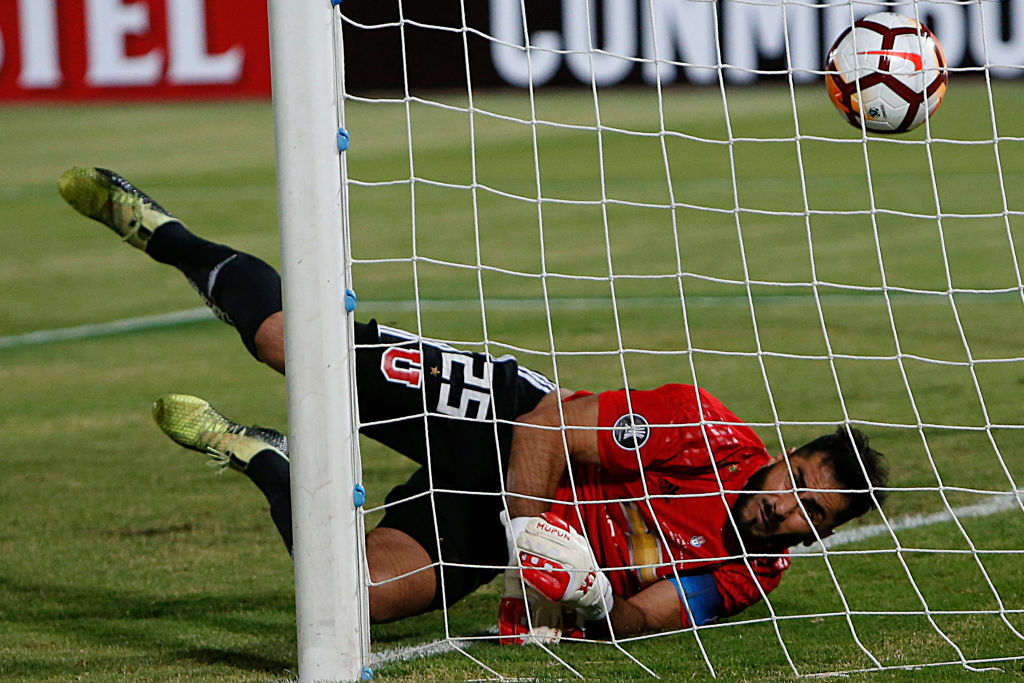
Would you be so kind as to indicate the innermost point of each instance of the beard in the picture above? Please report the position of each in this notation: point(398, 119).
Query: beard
point(743, 519)
point(745, 516)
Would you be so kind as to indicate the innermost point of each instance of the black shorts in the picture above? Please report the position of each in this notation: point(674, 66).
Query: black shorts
point(452, 412)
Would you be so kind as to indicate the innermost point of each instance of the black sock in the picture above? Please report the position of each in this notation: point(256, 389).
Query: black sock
point(270, 472)
point(248, 290)
point(173, 244)
point(241, 289)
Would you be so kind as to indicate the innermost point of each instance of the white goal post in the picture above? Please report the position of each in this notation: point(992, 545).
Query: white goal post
point(330, 600)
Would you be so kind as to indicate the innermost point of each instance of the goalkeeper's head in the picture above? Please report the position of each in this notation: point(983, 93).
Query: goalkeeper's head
point(804, 495)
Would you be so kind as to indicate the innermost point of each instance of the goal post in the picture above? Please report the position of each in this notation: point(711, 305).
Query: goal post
point(330, 600)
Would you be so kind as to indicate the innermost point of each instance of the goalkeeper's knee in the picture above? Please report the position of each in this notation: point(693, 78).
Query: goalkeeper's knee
point(248, 291)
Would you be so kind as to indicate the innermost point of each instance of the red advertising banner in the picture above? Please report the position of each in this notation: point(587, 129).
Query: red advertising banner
point(132, 49)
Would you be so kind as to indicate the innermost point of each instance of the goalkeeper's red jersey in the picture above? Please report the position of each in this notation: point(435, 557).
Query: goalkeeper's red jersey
point(658, 474)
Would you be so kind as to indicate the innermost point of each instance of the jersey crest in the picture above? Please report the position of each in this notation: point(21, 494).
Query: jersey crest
point(631, 431)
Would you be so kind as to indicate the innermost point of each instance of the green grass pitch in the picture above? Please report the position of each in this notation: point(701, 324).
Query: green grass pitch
point(124, 558)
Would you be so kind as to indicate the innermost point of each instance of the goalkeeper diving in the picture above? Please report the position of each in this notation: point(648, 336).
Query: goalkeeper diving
point(668, 511)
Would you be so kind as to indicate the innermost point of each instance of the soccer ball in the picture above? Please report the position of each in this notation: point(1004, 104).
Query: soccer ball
point(888, 69)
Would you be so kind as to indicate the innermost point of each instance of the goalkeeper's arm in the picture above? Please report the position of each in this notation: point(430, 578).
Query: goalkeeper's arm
point(539, 457)
point(655, 608)
point(538, 460)
point(558, 563)
point(671, 603)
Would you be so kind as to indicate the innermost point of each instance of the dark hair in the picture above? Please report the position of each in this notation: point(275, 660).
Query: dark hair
point(848, 454)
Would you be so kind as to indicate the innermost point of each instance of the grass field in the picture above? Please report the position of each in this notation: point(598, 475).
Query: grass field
point(123, 558)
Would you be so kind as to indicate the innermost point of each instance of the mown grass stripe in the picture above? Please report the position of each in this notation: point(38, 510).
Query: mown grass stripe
point(983, 509)
point(105, 329)
point(575, 303)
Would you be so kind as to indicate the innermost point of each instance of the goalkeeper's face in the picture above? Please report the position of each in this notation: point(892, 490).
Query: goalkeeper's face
point(784, 509)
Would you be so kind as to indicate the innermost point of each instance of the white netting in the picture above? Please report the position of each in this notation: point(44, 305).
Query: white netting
point(633, 209)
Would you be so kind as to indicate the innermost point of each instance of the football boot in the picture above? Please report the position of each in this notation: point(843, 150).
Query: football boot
point(195, 424)
point(106, 197)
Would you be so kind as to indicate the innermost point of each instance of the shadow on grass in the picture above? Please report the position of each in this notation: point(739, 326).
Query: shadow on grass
point(252, 632)
point(237, 660)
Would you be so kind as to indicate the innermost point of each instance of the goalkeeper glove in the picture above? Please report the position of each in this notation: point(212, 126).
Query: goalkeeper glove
point(559, 563)
point(526, 616)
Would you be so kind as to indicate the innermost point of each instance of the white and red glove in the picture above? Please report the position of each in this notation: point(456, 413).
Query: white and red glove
point(525, 616)
point(557, 561)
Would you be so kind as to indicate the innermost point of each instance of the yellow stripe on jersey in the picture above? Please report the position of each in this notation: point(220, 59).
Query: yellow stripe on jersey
point(643, 545)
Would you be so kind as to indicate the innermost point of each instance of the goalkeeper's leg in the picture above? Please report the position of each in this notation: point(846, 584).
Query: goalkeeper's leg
point(242, 290)
point(400, 568)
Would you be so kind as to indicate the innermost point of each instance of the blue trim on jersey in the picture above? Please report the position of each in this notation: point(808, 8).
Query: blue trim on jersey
point(702, 597)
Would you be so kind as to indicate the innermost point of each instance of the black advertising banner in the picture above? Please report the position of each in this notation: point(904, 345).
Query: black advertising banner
point(639, 41)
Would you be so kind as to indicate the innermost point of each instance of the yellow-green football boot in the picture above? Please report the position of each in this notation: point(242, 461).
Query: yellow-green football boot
point(105, 196)
point(195, 424)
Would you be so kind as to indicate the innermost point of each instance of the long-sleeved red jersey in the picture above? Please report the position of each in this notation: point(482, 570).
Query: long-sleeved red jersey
point(674, 460)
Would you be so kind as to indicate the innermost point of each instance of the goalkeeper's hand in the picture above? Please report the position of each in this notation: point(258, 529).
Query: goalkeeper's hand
point(526, 616)
point(558, 562)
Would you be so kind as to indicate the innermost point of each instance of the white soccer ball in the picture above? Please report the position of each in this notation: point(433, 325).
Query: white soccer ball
point(888, 69)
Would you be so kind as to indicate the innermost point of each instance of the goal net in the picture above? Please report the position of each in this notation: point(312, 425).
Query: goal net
point(630, 193)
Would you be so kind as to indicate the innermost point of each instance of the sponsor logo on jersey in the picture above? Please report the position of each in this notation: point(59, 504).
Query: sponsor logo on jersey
point(668, 488)
point(631, 431)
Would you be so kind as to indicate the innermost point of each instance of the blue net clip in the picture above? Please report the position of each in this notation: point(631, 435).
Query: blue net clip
point(335, 3)
point(342, 139)
point(350, 300)
point(367, 671)
point(358, 495)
